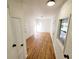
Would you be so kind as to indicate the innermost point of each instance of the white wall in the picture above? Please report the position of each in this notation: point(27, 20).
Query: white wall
point(45, 24)
point(29, 26)
point(68, 45)
point(64, 12)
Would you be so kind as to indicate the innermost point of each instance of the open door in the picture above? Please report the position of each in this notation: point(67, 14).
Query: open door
point(68, 43)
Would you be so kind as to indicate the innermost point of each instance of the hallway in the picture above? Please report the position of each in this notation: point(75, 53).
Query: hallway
point(39, 46)
point(36, 30)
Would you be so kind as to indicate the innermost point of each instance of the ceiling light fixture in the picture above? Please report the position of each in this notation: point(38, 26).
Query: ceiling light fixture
point(51, 3)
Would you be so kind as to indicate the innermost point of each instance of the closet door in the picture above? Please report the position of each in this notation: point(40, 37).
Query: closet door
point(12, 52)
point(19, 36)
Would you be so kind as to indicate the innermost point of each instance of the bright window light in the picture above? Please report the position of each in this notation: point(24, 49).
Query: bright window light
point(38, 27)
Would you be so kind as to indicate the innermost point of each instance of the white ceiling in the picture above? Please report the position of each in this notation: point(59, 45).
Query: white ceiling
point(33, 8)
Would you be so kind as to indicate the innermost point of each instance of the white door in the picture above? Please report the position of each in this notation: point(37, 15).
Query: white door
point(16, 22)
point(11, 50)
point(15, 46)
point(68, 43)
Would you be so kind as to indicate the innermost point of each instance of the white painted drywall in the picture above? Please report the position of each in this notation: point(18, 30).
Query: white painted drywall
point(45, 24)
point(68, 45)
point(29, 26)
point(64, 12)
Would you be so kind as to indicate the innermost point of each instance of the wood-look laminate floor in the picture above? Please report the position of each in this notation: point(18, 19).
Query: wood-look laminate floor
point(39, 46)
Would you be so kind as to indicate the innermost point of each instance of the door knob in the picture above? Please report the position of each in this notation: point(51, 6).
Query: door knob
point(14, 45)
point(66, 56)
point(21, 44)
